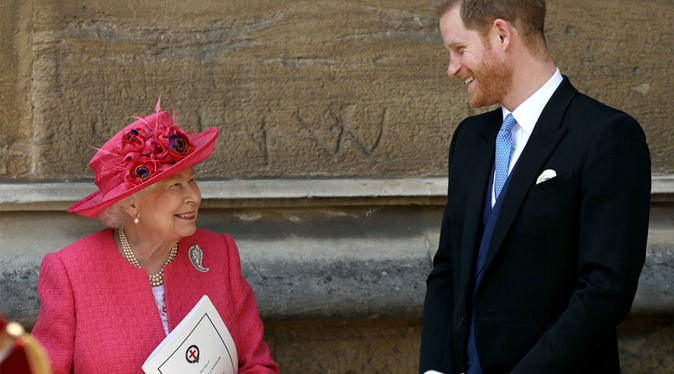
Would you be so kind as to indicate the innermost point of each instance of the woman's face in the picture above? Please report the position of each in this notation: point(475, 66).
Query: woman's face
point(168, 209)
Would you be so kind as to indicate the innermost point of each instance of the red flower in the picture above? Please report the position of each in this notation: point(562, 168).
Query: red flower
point(147, 152)
point(141, 170)
point(175, 143)
point(133, 140)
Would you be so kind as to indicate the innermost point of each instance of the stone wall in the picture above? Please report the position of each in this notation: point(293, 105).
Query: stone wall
point(300, 89)
point(335, 121)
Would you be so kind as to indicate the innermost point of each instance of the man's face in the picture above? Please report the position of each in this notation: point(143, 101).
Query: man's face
point(475, 60)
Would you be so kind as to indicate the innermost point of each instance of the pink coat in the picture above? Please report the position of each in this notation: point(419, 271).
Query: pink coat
point(98, 312)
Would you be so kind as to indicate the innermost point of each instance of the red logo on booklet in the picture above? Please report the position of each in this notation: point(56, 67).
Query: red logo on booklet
point(192, 354)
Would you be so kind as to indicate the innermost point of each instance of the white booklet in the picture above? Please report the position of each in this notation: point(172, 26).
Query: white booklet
point(200, 344)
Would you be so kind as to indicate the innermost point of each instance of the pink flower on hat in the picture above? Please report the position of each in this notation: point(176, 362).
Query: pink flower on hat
point(173, 144)
point(144, 152)
point(134, 144)
point(141, 170)
point(133, 140)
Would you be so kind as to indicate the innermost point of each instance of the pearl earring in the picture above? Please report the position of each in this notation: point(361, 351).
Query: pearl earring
point(136, 219)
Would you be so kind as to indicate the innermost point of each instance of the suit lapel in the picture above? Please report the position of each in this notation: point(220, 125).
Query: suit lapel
point(478, 179)
point(544, 139)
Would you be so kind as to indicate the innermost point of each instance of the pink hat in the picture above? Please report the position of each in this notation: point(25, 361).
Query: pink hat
point(143, 153)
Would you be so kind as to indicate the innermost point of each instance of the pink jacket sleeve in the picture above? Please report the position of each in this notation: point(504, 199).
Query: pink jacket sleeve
point(55, 327)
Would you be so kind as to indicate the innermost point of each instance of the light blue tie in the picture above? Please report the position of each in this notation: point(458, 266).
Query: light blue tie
point(504, 141)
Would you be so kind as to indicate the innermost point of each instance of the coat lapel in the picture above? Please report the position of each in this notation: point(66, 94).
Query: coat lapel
point(544, 139)
point(478, 179)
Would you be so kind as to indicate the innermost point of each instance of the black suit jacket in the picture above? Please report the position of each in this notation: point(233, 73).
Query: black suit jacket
point(565, 256)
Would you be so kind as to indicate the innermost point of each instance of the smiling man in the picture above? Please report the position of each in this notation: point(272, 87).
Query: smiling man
point(544, 234)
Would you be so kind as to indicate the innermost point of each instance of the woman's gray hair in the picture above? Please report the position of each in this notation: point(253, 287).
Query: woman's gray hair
point(113, 216)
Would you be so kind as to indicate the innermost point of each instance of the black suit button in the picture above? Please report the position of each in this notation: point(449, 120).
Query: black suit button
point(462, 322)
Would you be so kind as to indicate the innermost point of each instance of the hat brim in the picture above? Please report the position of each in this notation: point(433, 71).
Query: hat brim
point(95, 203)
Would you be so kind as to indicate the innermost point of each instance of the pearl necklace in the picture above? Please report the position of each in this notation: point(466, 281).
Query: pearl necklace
point(155, 280)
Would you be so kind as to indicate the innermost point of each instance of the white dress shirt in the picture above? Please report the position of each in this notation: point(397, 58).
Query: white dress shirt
point(526, 115)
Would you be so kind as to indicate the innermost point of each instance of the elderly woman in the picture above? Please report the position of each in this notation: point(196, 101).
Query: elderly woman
point(110, 298)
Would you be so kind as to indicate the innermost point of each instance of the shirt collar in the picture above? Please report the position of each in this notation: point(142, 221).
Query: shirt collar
point(527, 113)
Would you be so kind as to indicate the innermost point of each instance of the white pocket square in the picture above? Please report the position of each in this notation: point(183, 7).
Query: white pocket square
point(546, 175)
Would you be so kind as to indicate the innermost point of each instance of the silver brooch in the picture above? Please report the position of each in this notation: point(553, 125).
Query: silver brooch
point(196, 257)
